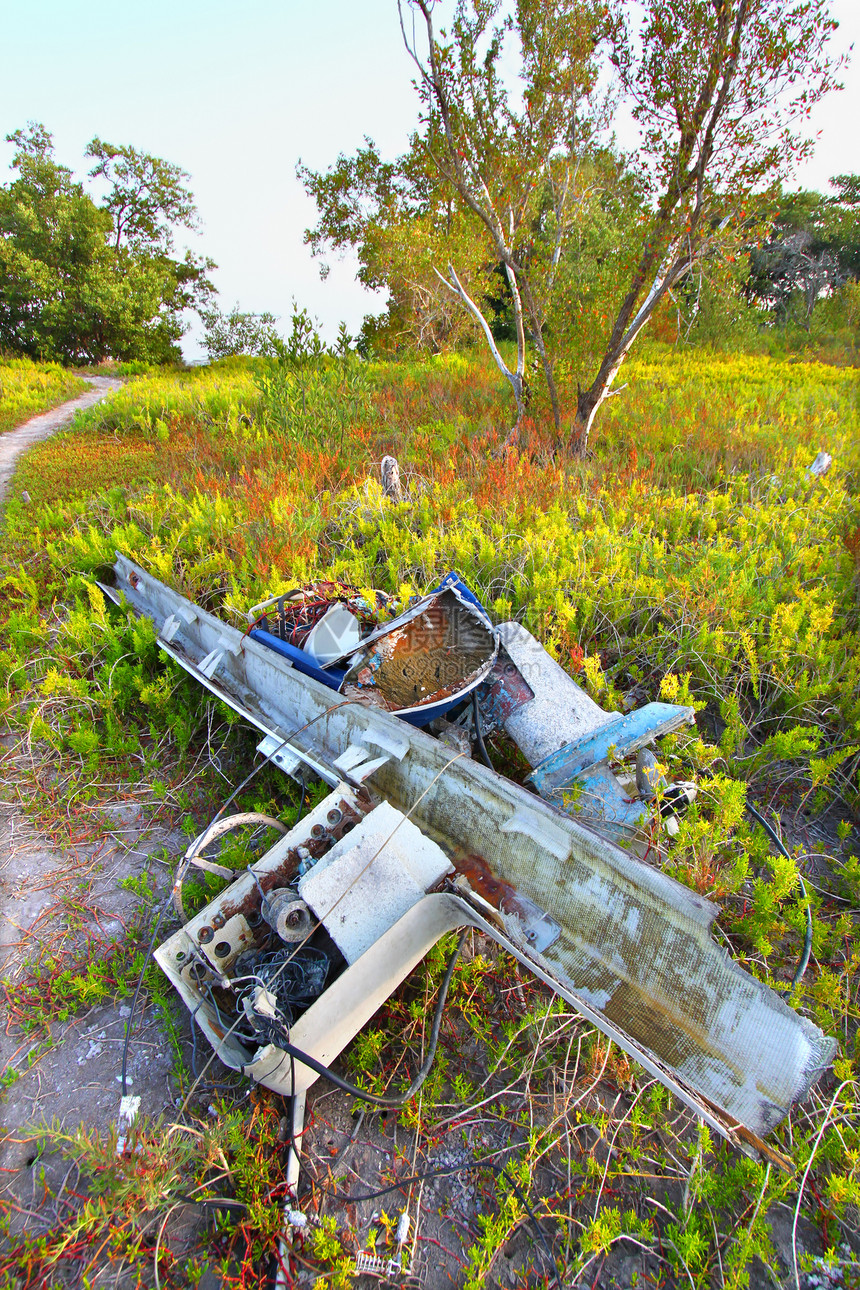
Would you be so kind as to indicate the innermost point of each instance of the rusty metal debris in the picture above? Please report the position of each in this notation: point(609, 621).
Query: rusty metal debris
point(419, 663)
point(417, 839)
point(428, 659)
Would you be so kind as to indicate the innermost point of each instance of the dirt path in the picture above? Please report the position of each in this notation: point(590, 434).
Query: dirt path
point(59, 900)
point(14, 442)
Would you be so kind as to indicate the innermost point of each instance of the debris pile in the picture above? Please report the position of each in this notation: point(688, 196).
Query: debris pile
point(417, 839)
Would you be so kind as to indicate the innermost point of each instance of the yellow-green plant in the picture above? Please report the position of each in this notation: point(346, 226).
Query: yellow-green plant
point(28, 388)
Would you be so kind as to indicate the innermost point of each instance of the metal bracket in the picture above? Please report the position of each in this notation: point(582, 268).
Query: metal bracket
point(281, 754)
point(355, 764)
point(539, 929)
point(208, 666)
point(174, 623)
point(389, 743)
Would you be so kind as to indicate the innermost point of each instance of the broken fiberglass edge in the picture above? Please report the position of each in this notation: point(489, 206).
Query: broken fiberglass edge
point(419, 664)
point(626, 945)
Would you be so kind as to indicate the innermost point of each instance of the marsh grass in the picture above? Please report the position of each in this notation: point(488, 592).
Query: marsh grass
point(690, 558)
point(28, 388)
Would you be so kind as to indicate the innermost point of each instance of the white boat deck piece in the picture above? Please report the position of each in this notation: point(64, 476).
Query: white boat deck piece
point(369, 879)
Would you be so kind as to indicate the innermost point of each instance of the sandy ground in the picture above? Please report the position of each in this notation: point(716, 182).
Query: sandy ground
point(53, 900)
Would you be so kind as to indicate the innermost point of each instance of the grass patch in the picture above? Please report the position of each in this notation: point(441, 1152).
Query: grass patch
point(28, 388)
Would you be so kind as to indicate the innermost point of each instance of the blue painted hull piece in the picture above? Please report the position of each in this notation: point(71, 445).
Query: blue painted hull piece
point(455, 582)
point(300, 659)
point(617, 738)
point(581, 770)
point(422, 717)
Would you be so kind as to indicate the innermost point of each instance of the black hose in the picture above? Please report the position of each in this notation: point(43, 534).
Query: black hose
point(803, 962)
point(399, 1099)
point(479, 734)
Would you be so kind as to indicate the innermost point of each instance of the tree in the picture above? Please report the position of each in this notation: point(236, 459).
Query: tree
point(813, 250)
point(401, 221)
point(52, 240)
point(235, 333)
point(147, 199)
point(71, 288)
point(513, 158)
point(589, 246)
point(717, 87)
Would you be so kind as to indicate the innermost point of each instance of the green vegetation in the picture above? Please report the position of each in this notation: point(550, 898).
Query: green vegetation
point(82, 280)
point(509, 175)
point(164, 1166)
point(692, 557)
point(28, 388)
point(235, 333)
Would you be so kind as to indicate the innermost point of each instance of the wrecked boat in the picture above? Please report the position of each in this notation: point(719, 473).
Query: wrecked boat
point(417, 839)
point(419, 664)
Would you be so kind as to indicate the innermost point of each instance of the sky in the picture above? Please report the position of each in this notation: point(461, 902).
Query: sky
point(237, 94)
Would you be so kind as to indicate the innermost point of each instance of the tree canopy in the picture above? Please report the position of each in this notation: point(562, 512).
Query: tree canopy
point(82, 280)
point(401, 221)
point(228, 335)
point(148, 198)
point(519, 173)
point(812, 250)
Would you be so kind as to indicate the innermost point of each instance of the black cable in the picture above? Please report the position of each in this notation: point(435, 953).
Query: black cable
point(298, 1052)
point(291, 1128)
point(499, 1170)
point(212, 1083)
point(482, 748)
point(180, 874)
point(213, 1202)
point(392, 1100)
point(803, 962)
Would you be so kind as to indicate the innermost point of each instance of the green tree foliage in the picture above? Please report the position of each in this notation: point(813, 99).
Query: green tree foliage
point(401, 220)
point(234, 333)
point(147, 197)
point(82, 281)
point(493, 189)
point(813, 250)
